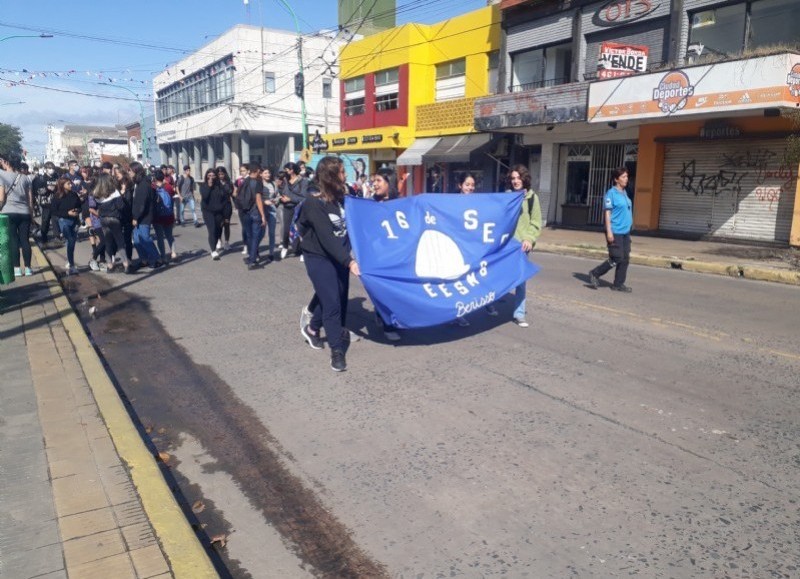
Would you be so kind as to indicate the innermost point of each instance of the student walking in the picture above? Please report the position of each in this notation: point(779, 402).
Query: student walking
point(185, 189)
point(326, 247)
point(618, 222)
point(66, 206)
point(213, 201)
point(227, 187)
point(164, 218)
point(270, 196)
point(18, 208)
point(143, 210)
point(249, 200)
point(111, 209)
point(293, 192)
point(529, 227)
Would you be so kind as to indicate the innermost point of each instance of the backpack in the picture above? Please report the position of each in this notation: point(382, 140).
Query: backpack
point(163, 203)
point(246, 196)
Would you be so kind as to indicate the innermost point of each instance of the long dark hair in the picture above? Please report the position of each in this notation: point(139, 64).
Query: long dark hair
point(390, 176)
point(139, 174)
point(328, 179)
point(224, 171)
point(213, 173)
point(60, 190)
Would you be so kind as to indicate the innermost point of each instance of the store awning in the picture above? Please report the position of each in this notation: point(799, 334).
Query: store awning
point(456, 149)
point(413, 155)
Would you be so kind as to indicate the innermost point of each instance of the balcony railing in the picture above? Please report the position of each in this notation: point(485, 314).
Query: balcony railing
point(538, 84)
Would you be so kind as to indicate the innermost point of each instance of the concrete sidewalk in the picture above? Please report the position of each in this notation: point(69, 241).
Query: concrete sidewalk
point(81, 494)
point(757, 262)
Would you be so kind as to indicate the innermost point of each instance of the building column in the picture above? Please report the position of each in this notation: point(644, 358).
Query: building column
point(197, 160)
point(173, 154)
point(163, 153)
point(226, 153)
point(183, 160)
point(212, 161)
point(244, 147)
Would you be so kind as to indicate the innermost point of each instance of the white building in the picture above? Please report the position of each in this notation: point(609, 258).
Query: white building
point(233, 101)
point(86, 144)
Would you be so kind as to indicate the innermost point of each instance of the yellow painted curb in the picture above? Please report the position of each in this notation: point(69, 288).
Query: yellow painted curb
point(187, 557)
point(777, 276)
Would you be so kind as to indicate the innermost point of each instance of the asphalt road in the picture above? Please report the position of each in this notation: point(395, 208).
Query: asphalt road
point(651, 434)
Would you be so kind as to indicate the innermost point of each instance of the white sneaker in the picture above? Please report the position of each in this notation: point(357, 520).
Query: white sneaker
point(284, 251)
point(521, 322)
point(305, 317)
point(93, 265)
point(17, 272)
point(72, 270)
point(244, 251)
point(219, 245)
point(302, 257)
point(215, 255)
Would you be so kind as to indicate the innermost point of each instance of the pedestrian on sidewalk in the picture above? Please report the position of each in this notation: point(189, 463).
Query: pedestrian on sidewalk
point(143, 209)
point(19, 209)
point(212, 203)
point(529, 227)
point(185, 187)
point(111, 209)
point(66, 206)
point(618, 222)
point(328, 262)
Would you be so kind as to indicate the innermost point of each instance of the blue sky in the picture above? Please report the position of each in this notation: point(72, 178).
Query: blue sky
point(146, 35)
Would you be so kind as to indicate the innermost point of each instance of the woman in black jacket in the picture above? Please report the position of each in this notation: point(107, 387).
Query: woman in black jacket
point(213, 202)
point(327, 259)
point(111, 209)
point(143, 211)
point(66, 207)
point(226, 185)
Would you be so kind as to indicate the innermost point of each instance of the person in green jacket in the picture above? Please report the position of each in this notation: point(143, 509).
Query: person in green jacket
point(529, 227)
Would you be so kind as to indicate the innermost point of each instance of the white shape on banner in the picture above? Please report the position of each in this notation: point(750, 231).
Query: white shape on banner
point(438, 256)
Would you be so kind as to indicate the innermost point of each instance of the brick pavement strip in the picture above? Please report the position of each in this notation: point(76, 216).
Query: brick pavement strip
point(112, 521)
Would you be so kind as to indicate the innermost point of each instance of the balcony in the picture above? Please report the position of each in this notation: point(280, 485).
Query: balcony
point(539, 84)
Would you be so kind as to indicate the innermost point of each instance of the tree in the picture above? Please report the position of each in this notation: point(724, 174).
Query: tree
point(10, 141)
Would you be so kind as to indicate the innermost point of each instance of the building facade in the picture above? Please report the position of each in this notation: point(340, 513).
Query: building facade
point(676, 91)
point(408, 95)
point(233, 101)
point(87, 144)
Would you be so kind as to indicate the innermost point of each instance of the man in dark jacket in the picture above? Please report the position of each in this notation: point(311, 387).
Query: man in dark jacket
point(142, 213)
point(44, 187)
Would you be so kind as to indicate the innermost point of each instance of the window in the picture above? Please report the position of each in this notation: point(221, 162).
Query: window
point(727, 30)
point(451, 80)
point(387, 89)
point(269, 82)
point(494, 66)
point(720, 30)
point(541, 67)
point(200, 91)
point(327, 88)
point(354, 96)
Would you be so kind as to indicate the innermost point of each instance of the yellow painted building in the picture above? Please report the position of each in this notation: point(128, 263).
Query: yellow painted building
point(408, 93)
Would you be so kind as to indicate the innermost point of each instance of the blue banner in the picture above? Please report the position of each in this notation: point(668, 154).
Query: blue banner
point(428, 259)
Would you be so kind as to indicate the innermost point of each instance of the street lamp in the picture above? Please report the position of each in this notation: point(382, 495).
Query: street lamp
point(299, 87)
point(27, 36)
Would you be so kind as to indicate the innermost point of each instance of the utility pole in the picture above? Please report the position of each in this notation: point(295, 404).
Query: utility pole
point(299, 78)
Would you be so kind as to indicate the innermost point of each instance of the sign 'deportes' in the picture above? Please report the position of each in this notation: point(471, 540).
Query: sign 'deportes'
point(618, 12)
point(617, 60)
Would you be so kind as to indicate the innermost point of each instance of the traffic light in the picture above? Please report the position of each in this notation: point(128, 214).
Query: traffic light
point(299, 84)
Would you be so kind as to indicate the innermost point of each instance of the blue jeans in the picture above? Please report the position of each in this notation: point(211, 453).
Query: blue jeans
point(144, 244)
point(67, 228)
point(272, 225)
point(519, 301)
point(255, 233)
point(182, 205)
point(164, 231)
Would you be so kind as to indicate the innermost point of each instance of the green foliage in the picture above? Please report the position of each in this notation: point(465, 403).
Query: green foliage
point(10, 141)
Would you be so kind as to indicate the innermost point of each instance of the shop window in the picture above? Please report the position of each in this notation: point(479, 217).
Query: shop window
point(719, 30)
point(541, 67)
point(451, 80)
point(387, 89)
point(774, 22)
point(354, 96)
point(269, 82)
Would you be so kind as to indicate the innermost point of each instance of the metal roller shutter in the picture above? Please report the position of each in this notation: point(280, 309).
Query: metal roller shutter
point(735, 189)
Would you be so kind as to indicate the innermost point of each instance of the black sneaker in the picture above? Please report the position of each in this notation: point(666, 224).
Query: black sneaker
point(313, 339)
point(621, 288)
point(594, 283)
point(338, 363)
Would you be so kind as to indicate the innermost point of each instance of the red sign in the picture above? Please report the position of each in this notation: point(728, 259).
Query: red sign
point(621, 60)
point(618, 12)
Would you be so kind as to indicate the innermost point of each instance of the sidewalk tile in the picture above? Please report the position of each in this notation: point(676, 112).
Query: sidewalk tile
point(114, 567)
point(93, 547)
point(78, 494)
point(88, 523)
point(138, 536)
point(149, 562)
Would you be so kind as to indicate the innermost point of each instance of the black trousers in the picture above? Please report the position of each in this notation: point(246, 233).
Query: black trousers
point(47, 220)
point(619, 254)
point(20, 226)
point(127, 234)
point(331, 284)
point(287, 213)
point(213, 223)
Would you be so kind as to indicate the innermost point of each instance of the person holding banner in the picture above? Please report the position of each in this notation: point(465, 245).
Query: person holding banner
point(328, 262)
point(529, 227)
point(384, 188)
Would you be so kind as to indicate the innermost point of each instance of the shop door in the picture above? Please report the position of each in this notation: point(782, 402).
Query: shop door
point(605, 158)
point(735, 189)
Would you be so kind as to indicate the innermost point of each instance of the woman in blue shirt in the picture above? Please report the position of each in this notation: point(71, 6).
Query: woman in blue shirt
point(618, 220)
